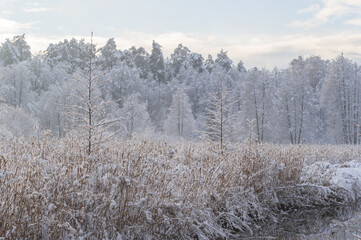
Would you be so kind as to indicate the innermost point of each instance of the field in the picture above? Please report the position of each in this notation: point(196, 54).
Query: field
point(152, 189)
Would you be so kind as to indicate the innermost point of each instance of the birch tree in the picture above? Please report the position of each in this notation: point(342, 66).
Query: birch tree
point(257, 100)
point(341, 101)
point(180, 121)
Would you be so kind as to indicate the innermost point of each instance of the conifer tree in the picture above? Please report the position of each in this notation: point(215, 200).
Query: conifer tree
point(156, 62)
point(88, 109)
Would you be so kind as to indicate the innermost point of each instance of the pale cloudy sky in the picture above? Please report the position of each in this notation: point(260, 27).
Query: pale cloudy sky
point(264, 33)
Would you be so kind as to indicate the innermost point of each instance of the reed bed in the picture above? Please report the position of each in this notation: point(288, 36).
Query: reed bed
point(150, 189)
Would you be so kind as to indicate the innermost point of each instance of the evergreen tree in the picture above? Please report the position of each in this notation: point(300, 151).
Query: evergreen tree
point(223, 60)
point(240, 67)
point(109, 55)
point(69, 53)
point(209, 63)
point(156, 63)
point(196, 61)
point(179, 59)
point(15, 50)
point(140, 59)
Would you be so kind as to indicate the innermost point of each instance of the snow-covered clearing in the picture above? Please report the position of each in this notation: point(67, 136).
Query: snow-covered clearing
point(149, 189)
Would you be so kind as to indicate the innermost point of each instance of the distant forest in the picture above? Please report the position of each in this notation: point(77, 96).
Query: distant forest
point(186, 96)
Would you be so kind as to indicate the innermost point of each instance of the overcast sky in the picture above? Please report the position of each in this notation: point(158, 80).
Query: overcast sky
point(263, 33)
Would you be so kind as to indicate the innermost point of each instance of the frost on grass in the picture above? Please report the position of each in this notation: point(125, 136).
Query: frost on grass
point(149, 189)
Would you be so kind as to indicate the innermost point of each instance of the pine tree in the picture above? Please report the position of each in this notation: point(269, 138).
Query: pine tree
point(223, 60)
point(70, 54)
point(156, 63)
point(140, 59)
point(15, 50)
point(209, 63)
point(179, 59)
point(109, 55)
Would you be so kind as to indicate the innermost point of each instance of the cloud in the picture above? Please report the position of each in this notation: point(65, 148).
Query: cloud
point(330, 9)
point(305, 24)
point(354, 21)
point(38, 10)
point(8, 26)
point(6, 13)
point(261, 50)
point(3, 2)
point(310, 9)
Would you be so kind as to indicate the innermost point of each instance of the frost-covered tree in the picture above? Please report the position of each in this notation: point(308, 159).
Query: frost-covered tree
point(209, 63)
point(223, 60)
point(88, 108)
point(196, 83)
point(196, 61)
point(140, 59)
point(109, 55)
point(219, 115)
point(16, 86)
point(135, 116)
point(15, 50)
point(257, 102)
point(180, 120)
point(298, 104)
point(341, 101)
point(156, 63)
point(15, 122)
point(124, 81)
point(52, 107)
point(69, 53)
point(240, 67)
point(179, 59)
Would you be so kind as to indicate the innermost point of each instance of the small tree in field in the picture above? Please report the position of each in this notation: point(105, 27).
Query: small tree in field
point(88, 109)
point(219, 113)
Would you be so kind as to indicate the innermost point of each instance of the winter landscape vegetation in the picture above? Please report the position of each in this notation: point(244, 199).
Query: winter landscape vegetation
point(102, 143)
point(98, 142)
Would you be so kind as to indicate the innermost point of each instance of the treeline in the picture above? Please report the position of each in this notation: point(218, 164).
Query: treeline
point(311, 101)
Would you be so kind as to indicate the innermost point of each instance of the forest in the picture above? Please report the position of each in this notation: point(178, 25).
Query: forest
point(311, 101)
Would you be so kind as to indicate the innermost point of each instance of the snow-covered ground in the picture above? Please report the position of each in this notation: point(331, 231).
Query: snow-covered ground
point(343, 178)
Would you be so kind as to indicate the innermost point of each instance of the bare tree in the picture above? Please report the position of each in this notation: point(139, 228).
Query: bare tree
point(88, 109)
point(219, 114)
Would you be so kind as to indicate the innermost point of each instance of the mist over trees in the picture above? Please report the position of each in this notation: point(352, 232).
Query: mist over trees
point(311, 101)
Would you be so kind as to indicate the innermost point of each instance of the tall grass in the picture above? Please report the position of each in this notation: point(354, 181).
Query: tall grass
point(146, 189)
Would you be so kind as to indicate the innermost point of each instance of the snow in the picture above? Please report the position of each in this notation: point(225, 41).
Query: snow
point(344, 179)
point(348, 177)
